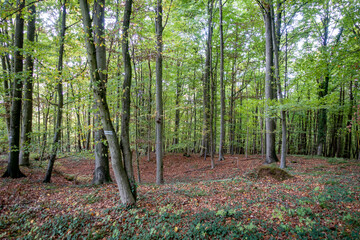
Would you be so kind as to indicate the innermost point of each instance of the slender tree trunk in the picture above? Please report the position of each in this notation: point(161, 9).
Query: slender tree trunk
point(222, 88)
point(231, 110)
point(348, 136)
point(159, 101)
point(121, 177)
point(276, 35)
point(269, 90)
point(324, 86)
point(102, 171)
point(149, 147)
point(26, 129)
point(60, 105)
point(125, 115)
point(13, 169)
point(7, 97)
point(206, 84)
point(177, 104)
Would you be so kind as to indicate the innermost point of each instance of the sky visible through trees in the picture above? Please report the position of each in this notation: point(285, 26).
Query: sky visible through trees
point(276, 78)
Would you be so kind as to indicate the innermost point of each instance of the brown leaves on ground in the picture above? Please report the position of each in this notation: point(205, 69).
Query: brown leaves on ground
point(190, 187)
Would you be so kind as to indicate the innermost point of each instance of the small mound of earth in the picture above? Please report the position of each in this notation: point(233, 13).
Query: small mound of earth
point(269, 171)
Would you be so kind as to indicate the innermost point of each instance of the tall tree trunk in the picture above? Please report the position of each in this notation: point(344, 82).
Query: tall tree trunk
point(149, 145)
point(5, 61)
point(269, 89)
point(276, 35)
point(222, 88)
point(206, 84)
point(177, 104)
point(231, 110)
point(60, 105)
point(121, 177)
point(28, 94)
point(159, 101)
point(348, 136)
point(13, 169)
point(324, 86)
point(125, 115)
point(101, 172)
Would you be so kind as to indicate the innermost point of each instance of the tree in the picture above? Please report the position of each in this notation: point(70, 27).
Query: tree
point(159, 101)
point(13, 169)
point(125, 115)
point(276, 36)
point(206, 84)
point(222, 87)
point(269, 82)
point(99, 88)
point(27, 115)
point(60, 104)
point(101, 173)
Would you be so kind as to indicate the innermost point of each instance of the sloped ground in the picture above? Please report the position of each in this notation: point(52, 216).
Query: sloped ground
point(320, 201)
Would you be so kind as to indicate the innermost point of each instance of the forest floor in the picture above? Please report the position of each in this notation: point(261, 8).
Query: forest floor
point(320, 201)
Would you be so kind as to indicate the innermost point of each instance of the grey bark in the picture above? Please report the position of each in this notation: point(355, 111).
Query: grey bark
point(102, 171)
point(276, 36)
point(269, 88)
point(13, 169)
point(26, 128)
point(177, 105)
point(222, 88)
point(5, 61)
point(121, 177)
point(206, 85)
point(159, 101)
point(57, 135)
point(149, 147)
point(125, 115)
point(324, 86)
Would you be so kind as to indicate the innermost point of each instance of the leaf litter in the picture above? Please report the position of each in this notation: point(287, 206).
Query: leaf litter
point(320, 200)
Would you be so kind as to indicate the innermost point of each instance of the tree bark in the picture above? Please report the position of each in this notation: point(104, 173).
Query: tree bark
point(28, 94)
point(60, 105)
point(101, 172)
point(159, 101)
point(177, 105)
point(121, 177)
point(149, 145)
point(324, 86)
point(13, 169)
point(206, 84)
point(276, 35)
point(222, 88)
point(126, 98)
point(269, 89)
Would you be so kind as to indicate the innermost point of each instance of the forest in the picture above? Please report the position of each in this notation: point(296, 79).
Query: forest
point(180, 119)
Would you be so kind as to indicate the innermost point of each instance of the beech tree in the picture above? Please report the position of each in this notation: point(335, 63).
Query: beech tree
point(125, 114)
point(126, 193)
point(13, 169)
point(101, 172)
point(159, 101)
point(269, 82)
point(59, 88)
point(27, 115)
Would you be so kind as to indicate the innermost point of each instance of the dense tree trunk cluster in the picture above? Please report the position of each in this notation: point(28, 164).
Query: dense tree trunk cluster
point(209, 78)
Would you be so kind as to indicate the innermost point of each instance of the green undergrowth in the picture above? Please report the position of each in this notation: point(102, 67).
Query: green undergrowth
point(230, 222)
point(324, 206)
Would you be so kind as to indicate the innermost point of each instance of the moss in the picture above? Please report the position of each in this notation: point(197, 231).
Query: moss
point(274, 172)
point(269, 171)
